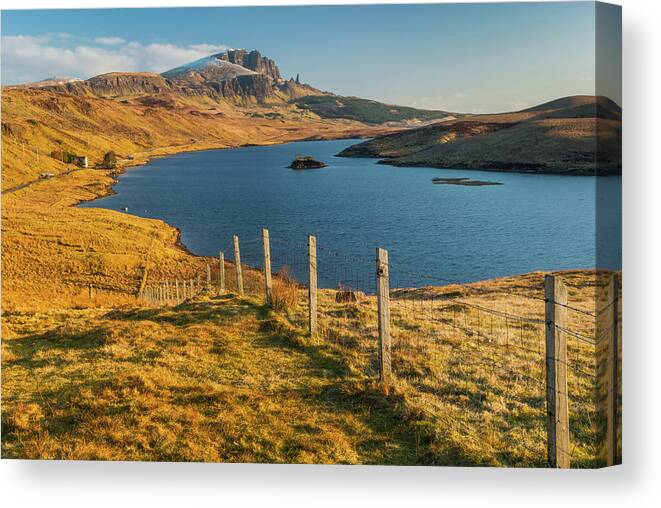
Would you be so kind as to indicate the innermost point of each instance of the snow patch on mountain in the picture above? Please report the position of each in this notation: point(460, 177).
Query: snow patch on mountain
point(212, 64)
point(54, 81)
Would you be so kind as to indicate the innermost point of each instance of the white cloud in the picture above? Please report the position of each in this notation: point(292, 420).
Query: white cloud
point(31, 58)
point(161, 57)
point(109, 41)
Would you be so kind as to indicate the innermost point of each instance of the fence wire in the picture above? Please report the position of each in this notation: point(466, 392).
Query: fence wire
point(479, 352)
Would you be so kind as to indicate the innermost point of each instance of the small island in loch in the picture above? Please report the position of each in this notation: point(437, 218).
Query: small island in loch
point(463, 181)
point(306, 162)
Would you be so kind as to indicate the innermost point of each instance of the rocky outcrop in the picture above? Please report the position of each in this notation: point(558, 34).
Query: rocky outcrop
point(127, 83)
point(306, 163)
point(254, 61)
point(256, 86)
point(115, 84)
point(466, 182)
point(231, 74)
point(78, 88)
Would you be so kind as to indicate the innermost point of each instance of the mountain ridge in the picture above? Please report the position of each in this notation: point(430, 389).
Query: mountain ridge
point(240, 77)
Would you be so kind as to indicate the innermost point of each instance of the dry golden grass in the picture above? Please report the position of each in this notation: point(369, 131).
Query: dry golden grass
point(227, 379)
point(52, 251)
point(474, 380)
point(285, 292)
point(205, 381)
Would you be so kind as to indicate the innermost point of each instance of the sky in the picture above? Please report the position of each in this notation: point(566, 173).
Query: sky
point(456, 57)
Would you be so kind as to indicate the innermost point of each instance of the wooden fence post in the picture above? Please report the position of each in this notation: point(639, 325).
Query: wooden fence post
point(176, 288)
point(143, 281)
point(237, 263)
point(167, 291)
point(191, 287)
point(185, 289)
point(557, 409)
point(221, 271)
point(612, 364)
point(312, 284)
point(383, 305)
point(268, 287)
point(199, 284)
point(91, 291)
point(208, 278)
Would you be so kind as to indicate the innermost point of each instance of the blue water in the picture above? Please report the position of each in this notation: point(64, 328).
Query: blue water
point(449, 232)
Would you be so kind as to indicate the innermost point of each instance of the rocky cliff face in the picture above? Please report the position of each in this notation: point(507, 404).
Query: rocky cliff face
point(127, 83)
point(233, 73)
point(254, 61)
point(115, 84)
point(255, 86)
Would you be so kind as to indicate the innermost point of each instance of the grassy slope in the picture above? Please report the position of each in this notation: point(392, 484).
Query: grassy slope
point(51, 250)
point(363, 110)
point(560, 136)
point(35, 122)
point(224, 378)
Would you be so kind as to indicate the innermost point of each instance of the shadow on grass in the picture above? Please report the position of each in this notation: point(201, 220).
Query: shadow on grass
point(32, 351)
point(218, 308)
point(27, 349)
point(400, 436)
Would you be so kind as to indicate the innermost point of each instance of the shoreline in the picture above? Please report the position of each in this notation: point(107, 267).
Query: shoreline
point(179, 244)
point(127, 164)
point(393, 161)
point(569, 172)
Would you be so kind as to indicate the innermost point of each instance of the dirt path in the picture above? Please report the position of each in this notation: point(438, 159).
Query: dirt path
point(28, 184)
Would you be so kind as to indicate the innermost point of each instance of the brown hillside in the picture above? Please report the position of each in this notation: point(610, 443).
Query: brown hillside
point(52, 251)
point(563, 136)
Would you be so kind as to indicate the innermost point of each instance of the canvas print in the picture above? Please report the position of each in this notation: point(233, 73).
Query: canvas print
point(368, 234)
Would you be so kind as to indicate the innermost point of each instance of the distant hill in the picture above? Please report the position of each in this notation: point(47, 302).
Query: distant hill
point(575, 101)
point(578, 106)
point(569, 135)
point(363, 110)
point(54, 81)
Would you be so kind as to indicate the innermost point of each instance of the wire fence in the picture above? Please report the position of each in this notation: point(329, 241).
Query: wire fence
point(530, 372)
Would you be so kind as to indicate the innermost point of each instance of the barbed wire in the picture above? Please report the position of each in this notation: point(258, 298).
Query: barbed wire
point(576, 335)
point(515, 355)
point(471, 287)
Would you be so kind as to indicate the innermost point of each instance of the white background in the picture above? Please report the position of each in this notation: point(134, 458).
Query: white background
point(636, 483)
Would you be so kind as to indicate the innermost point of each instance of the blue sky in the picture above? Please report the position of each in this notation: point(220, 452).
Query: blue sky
point(460, 57)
